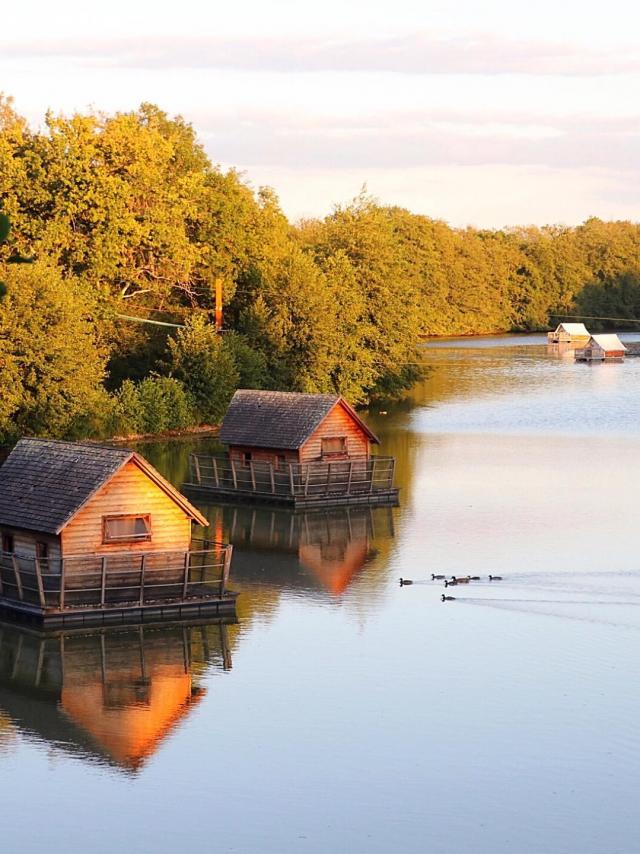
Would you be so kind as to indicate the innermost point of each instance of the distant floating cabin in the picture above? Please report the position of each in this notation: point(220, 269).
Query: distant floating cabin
point(602, 348)
point(297, 449)
point(94, 533)
point(566, 333)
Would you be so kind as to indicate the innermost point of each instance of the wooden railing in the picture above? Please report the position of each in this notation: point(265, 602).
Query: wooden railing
point(116, 579)
point(319, 479)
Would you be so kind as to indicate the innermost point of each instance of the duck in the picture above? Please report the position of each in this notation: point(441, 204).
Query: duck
point(460, 580)
point(450, 583)
point(437, 577)
point(495, 578)
point(448, 598)
point(474, 578)
point(405, 581)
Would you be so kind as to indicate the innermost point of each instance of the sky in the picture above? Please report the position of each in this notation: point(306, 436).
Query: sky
point(487, 114)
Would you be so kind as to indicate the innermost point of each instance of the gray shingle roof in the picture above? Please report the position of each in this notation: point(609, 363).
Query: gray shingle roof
point(43, 483)
point(277, 419)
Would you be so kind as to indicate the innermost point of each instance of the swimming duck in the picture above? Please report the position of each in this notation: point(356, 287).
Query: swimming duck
point(437, 577)
point(474, 578)
point(495, 578)
point(448, 598)
point(450, 583)
point(461, 580)
point(405, 581)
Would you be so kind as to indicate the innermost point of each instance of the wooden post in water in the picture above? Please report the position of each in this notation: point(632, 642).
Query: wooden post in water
point(39, 584)
point(103, 580)
point(62, 571)
point(16, 572)
point(185, 584)
point(142, 571)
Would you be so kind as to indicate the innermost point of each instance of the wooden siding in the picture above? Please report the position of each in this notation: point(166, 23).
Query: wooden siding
point(337, 423)
point(24, 542)
point(130, 491)
point(265, 455)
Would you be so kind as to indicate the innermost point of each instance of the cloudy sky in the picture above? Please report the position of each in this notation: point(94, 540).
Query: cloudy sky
point(489, 113)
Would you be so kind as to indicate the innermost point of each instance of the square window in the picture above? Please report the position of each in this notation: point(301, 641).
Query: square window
point(334, 446)
point(126, 529)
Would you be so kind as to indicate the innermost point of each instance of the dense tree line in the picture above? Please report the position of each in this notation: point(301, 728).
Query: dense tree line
point(126, 215)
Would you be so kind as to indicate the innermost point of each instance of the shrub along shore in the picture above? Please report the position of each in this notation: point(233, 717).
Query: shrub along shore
point(126, 215)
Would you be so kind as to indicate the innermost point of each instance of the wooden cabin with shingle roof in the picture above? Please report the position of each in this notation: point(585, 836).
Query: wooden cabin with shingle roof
point(295, 448)
point(84, 527)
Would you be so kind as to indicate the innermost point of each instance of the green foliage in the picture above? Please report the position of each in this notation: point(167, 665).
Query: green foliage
point(130, 217)
point(154, 405)
point(206, 368)
point(52, 364)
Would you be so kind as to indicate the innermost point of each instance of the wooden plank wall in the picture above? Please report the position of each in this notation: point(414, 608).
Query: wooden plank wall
point(337, 423)
point(130, 491)
point(24, 542)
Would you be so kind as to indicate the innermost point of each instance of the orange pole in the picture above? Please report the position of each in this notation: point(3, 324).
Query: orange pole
point(219, 305)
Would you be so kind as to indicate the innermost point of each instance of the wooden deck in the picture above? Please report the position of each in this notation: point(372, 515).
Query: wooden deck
point(119, 587)
point(299, 485)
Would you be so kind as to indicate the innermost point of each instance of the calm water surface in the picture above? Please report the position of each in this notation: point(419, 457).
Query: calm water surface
point(344, 713)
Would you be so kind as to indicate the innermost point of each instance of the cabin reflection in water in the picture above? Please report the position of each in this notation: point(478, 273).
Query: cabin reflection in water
point(332, 544)
point(110, 695)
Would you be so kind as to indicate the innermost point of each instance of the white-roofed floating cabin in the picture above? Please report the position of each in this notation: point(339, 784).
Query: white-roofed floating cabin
point(92, 533)
point(602, 348)
point(566, 333)
point(301, 450)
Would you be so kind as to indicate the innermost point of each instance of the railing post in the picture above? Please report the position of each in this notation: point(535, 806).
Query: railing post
point(226, 569)
point(293, 489)
point(328, 486)
point(103, 580)
point(40, 584)
point(373, 466)
point(392, 473)
point(349, 478)
point(196, 468)
point(142, 569)
point(233, 473)
point(306, 478)
point(62, 573)
point(253, 475)
point(215, 470)
point(16, 572)
point(185, 584)
point(273, 479)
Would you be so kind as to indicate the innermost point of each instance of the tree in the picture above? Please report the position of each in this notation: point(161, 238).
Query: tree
point(49, 352)
point(205, 367)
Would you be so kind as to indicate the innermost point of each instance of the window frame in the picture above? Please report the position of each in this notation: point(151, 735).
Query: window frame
point(344, 452)
point(8, 538)
point(127, 540)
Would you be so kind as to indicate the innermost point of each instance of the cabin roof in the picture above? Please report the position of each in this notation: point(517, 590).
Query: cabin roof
point(45, 482)
point(279, 419)
point(608, 342)
point(573, 328)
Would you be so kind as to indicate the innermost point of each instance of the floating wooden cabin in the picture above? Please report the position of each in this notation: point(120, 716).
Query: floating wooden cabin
point(297, 449)
point(93, 533)
point(602, 348)
point(567, 333)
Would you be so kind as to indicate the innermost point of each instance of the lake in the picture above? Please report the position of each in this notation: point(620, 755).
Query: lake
point(342, 712)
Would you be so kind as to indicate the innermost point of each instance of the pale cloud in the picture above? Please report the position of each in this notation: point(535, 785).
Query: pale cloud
point(417, 53)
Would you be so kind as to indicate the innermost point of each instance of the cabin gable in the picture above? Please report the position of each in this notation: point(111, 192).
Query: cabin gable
point(128, 493)
point(338, 425)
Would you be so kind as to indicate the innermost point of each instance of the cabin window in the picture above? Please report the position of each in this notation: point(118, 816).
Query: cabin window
point(126, 529)
point(334, 446)
point(42, 551)
point(246, 458)
point(281, 461)
point(7, 543)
